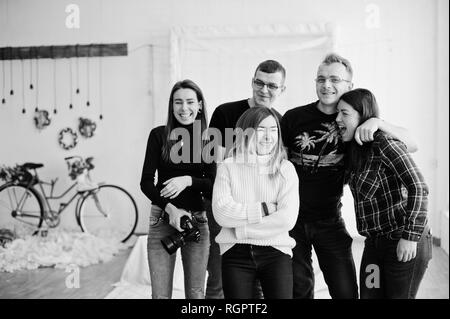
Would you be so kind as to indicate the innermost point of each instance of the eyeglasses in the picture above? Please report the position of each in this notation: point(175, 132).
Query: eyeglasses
point(333, 79)
point(260, 85)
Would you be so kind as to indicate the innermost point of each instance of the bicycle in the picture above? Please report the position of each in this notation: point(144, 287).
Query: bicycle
point(101, 209)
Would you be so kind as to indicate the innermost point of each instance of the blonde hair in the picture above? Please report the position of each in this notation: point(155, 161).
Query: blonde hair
point(246, 128)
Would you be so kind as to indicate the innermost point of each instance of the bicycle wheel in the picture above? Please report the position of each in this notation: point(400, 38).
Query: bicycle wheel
point(109, 211)
point(20, 206)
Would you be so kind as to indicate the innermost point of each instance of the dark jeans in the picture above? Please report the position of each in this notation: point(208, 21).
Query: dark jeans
point(242, 264)
point(214, 281)
point(194, 257)
point(382, 276)
point(333, 246)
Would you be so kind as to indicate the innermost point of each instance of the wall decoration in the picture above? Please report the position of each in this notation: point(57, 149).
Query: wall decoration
point(78, 69)
point(55, 52)
point(70, 84)
point(23, 86)
point(42, 119)
point(11, 92)
point(54, 87)
point(67, 138)
point(4, 80)
point(87, 79)
point(86, 127)
point(100, 87)
point(31, 71)
point(37, 85)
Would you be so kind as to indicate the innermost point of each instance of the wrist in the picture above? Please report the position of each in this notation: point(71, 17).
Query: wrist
point(169, 207)
point(188, 180)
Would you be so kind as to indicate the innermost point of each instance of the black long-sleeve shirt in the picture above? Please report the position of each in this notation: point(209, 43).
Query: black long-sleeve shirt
point(155, 167)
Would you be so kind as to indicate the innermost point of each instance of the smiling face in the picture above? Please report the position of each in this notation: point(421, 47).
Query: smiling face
point(348, 120)
point(266, 136)
point(337, 81)
point(267, 87)
point(185, 106)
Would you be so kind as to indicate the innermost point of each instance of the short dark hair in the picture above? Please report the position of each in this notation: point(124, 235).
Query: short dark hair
point(271, 66)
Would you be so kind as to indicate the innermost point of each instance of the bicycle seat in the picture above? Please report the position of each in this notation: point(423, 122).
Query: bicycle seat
point(32, 165)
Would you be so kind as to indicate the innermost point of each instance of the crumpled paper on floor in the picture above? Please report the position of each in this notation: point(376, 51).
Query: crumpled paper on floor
point(59, 248)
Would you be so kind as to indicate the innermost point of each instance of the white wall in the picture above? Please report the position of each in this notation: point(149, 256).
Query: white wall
point(401, 61)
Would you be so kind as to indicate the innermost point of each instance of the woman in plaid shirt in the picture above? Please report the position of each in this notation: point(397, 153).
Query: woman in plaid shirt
point(390, 197)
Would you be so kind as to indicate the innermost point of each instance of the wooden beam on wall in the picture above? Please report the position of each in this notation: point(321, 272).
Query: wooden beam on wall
point(63, 51)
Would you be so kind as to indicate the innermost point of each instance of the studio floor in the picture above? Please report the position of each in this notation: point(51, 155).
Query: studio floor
point(97, 281)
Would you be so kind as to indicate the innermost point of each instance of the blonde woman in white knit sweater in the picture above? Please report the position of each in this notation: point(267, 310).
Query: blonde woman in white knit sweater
point(255, 200)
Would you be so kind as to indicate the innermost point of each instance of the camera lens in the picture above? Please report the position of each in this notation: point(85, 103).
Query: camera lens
point(191, 233)
point(172, 243)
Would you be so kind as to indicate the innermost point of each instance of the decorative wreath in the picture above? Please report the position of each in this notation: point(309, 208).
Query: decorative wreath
point(42, 119)
point(67, 139)
point(86, 127)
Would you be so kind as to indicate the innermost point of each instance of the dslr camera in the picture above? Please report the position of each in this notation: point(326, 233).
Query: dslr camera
point(190, 233)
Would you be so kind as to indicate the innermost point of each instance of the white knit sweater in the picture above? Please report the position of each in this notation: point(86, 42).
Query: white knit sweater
point(238, 192)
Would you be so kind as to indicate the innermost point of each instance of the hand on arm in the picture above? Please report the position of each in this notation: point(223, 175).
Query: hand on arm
point(364, 133)
point(174, 186)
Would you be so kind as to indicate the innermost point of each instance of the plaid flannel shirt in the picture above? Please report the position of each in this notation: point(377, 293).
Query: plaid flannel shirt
point(389, 193)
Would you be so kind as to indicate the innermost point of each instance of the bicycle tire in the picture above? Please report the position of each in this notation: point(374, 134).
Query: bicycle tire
point(113, 199)
point(31, 212)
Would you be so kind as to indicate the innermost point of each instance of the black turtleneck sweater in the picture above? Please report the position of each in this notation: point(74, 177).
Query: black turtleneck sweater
point(203, 174)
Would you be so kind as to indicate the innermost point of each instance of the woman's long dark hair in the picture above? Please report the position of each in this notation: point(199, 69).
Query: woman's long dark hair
point(364, 102)
point(172, 121)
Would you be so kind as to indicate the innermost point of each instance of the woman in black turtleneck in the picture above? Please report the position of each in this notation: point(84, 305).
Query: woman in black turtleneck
point(174, 159)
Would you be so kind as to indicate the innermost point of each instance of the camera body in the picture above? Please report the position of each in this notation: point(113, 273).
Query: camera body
point(190, 233)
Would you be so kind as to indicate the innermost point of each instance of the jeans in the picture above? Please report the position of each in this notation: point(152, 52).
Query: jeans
point(383, 276)
point(242, 264)
point(194, 256)
point(333, 246)
point(214, 283)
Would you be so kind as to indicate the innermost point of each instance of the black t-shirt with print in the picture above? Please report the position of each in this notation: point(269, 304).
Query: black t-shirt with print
point(317, 152)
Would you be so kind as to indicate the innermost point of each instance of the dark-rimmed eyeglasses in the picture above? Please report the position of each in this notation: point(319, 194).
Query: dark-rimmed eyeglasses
point(260, 85)
point(333, 79)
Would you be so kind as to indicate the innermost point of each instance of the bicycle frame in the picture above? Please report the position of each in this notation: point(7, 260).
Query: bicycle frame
point(62, 205)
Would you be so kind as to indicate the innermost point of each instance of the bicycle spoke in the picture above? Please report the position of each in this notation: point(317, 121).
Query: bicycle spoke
point(109, 212)
point(19, 205)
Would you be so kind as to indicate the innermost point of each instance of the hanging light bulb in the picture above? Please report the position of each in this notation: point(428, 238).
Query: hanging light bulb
point(78, 70)
point(54, 81)
point(88, 77)
point(23, 86)
point(71, 83)
point(31, 70)
point(11, 71)
point(4, 78)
